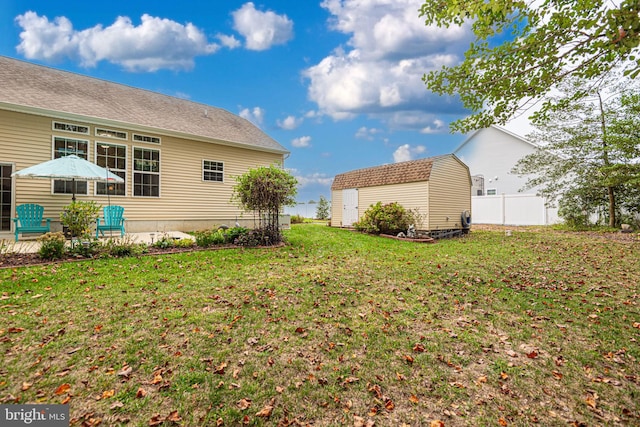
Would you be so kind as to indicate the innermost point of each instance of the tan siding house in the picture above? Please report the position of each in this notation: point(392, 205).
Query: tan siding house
point(179, 159)
point(438, 188)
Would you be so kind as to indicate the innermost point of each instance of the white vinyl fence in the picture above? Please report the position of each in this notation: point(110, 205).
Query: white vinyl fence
point(512, 209)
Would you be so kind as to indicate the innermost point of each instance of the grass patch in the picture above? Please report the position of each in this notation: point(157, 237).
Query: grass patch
point(540, 327)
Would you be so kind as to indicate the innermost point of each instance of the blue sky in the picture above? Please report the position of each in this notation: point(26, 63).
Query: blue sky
point(337, 82)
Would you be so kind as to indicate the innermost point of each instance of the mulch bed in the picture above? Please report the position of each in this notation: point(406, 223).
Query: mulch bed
point(15, 260)
point(409, 239)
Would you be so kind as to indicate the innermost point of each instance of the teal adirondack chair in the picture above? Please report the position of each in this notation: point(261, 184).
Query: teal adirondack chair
point(29, 219)
point(113, 220)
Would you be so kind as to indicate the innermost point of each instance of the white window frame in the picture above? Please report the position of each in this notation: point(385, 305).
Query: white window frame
point(144, 137)
point(213, 171)
point(53, 156)
point(134, 171)
point(111, 134)
point(69, 127)
point(492, 192)
point(98, 151)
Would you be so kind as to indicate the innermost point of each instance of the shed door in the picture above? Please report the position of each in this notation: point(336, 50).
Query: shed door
point(350, 209)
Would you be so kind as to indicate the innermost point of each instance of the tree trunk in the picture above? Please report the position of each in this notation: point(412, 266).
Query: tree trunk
point(605, 160)
point(612, 207)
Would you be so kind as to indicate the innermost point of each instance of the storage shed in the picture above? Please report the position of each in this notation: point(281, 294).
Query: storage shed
point(438, 188)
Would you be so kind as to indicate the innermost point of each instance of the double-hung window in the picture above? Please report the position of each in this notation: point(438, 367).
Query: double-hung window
point(212, 171)
point(65, 147)
point(146, 172)
point(114, 158)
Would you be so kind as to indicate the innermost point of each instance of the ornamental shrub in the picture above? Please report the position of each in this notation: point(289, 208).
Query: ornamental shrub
point(208, 238)
point(51, 245)
point(297, 219)
point(391, 218)
point(79, 216)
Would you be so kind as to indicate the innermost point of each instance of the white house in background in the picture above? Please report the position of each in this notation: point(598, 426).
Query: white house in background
point(491, 153)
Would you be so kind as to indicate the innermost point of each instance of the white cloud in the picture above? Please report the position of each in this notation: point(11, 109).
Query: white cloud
point(438, 126)
point(290, 123)
point(406, 152)
point(381, 69)
point(255, 115)
point(153, 44)
point(302, 142)
point(261, 30)
point(229, 42)
point(314, 179)
point(367, 133)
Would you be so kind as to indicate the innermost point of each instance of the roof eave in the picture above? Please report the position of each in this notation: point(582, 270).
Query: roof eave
point(133, 126)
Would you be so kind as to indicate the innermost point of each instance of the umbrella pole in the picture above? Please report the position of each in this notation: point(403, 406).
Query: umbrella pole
point(73, 190)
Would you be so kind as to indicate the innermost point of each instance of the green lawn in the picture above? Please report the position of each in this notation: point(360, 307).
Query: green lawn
point(335, 328)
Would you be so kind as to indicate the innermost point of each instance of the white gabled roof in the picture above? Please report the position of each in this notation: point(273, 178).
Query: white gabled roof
point(499, 128)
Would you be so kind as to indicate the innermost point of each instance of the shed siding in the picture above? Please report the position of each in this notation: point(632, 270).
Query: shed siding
point(336, 208)
point(450, 193)
point(412, 195)
point(440, 196)
point(27, 140)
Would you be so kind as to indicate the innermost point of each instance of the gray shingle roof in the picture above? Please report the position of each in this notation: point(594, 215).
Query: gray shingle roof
point(37, 87)
point(396, 173)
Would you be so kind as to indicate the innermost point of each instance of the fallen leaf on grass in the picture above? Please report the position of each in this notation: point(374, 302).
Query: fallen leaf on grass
point(557, 375)
point(125, 371)
point(408, 359)
point(436, 423)
point(389, 405)
point(108, 393)
point(116, 405)
point(220, 368)
point(376, 390)
point(414, 399)
point(244, 404)
point(361, 422)
point(349, 380)
point(174, 417)
point(418, 348)
point(62, 389)
point(157, 420)
point(141, 393)
point(532, 355)
point(591, 401)
point(266, 411)
point(26, 386)
point(502, 422)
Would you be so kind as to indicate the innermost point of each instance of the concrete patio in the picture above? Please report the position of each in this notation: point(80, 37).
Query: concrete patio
point(31, 244)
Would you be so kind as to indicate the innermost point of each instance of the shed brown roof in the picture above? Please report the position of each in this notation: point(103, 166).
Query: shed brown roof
point(396, 173)
point(37, 87)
